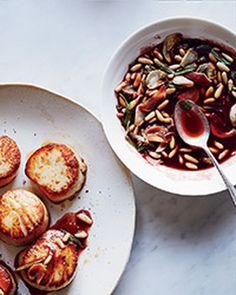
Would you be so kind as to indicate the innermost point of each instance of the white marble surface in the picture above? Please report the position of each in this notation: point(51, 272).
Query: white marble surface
point(182, 245)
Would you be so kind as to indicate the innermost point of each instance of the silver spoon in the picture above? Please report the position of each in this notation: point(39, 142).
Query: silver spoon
point(201, 139)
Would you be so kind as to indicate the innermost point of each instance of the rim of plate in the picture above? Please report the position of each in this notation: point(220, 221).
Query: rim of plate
point(130, 38)
point(125, 170)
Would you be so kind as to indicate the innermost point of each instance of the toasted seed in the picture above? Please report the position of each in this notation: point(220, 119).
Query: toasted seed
point(222, 67)
point(224, 77)
point(155, 138)
point(128, 77)
point(137, 80)
point(178, 58)
point(159, 116)
point(151, 93)
point(209, 100)
point(135, 132)
point(133, 76)
point(66, 237)
point(164, 154)
point(191, 166)
point(209, 91)
point(206, 160)
point(165, 114)
point(140, 89)
point(172, 142)
point(181, 160)
point(170, 90)
point(158, 54)
point(234, 94)
point(185, 150)
point(230, 84)
point(163, 104)
point(212, 58)
point(48, 259)
point(146, 61)
point(81, 234)
point(173, 152)
point(219, 78)
point(133, 103)
point(150, 116)
point(155, 155)
point(136, 67)
point(84, 217)
point(153, 120)
point(191, 158)
point(214, 150)
point(223, 154)
point(170, 76)
point(182, 52)
point(174, 67)
point(60, 243)
point(120, 86)
point(218, 91)
point(122, 102)
point(229, 58)
point(218, 145)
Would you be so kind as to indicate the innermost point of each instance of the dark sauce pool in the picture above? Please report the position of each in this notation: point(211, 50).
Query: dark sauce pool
point(217, 111)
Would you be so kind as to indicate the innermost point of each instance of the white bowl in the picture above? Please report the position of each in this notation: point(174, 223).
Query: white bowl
point(176, 181)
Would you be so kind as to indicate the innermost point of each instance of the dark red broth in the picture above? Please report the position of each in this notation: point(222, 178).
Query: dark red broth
point(192, 123)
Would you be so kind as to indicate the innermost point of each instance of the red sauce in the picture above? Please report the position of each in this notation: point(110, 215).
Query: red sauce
point(192, 123)
point(5, 279)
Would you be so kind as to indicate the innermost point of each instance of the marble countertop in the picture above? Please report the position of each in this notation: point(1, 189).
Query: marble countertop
point(182, 245)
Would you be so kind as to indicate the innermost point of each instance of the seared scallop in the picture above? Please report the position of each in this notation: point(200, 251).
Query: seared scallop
point(7, 281)
point(57, 171)
point(10, 158)
point(23, 217)
point(50, 263)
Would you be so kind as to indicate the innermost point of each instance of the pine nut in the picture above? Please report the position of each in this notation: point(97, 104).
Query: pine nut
point(172, 142)
point(214, 150)
point(163, 104)
point(159, 116)
point(174, 67)
point(230, 84)
point(155, 155)
point(178, 58)
point(137, 80)
point(224, 77)
point(218, 145)
point(158, 54)
point(128, 77)
point(120, 86)
point(181, 160)
point(234, 94)
point(218, 91)
point(66, 237)
point(212, 58)
point(81, 234)
point(133, 76)
point(223, 154)
point(136, 67)
point(190, 159)
point(145, 61)
point(173, 152)
point(60, 243)
point(185, 150)
point(150, 116)
point(209, 91)
point(209, 100)
point(153, 120)
point(164, 154)
point(122, 102)
point(182, 52)
point(219, 78)
point(222, 67)
point(191, 166)
point(48, 259)
point(229, 58)
point(84, 217)
point(170, 76)
point(170, 90)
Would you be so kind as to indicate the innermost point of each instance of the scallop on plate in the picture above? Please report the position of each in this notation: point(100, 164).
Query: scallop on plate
point(35, 117)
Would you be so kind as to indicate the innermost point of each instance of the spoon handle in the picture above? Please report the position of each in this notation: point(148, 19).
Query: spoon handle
point(228, 184)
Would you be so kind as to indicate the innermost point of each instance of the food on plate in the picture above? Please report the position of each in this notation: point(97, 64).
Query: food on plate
point(57, 171)
point(7, 281)
point(50, 263)
point(23, 217)
point(10, 158)
point(179, 68)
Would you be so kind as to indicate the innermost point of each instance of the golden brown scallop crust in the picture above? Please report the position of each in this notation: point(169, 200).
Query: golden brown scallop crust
point(7, 281)
point(10, 158)
point(50, 263)
point(57, 171)
point(23, 217)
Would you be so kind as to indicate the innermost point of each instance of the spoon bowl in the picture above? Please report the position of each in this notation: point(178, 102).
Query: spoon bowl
point(193, 127)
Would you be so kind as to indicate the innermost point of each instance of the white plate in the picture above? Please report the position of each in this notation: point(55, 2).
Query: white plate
point(33, 115)
point(172, 180)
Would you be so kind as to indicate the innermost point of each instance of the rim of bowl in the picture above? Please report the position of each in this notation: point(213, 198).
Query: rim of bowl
point(168, 188)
